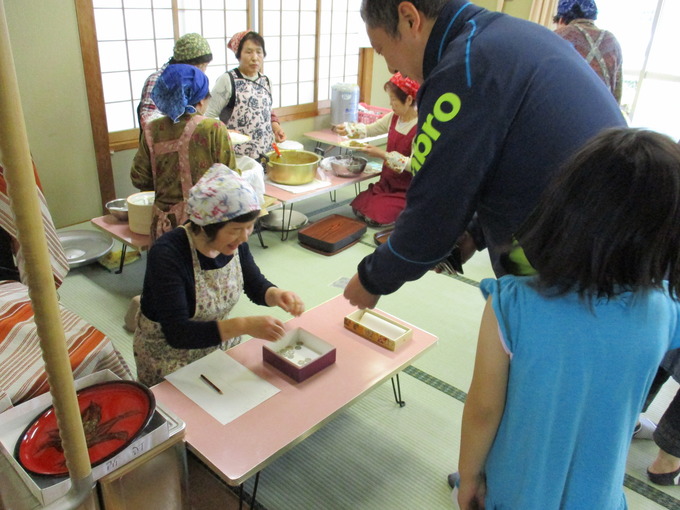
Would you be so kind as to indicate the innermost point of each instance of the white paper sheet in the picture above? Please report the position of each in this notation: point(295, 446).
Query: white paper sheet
point(242, 390)
point(302, 188)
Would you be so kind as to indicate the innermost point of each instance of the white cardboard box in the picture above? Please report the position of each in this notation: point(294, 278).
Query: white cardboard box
point(14, 421)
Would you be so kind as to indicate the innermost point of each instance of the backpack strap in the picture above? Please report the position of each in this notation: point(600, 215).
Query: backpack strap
point(226, 112)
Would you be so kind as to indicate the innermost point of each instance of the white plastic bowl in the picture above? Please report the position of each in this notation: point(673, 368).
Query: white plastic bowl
point(140, 213)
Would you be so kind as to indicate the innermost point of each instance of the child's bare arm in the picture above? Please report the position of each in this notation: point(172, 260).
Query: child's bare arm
point(483, 411)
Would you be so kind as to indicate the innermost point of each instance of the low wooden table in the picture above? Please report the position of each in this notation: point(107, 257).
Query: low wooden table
point(120, 230)
point(242, 448)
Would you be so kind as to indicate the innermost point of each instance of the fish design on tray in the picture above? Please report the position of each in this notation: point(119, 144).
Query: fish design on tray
point(96, 431)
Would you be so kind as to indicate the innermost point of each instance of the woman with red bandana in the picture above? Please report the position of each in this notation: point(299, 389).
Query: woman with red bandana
point(383, 201)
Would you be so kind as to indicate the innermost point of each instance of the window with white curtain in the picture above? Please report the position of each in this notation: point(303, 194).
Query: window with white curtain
point(648, 33)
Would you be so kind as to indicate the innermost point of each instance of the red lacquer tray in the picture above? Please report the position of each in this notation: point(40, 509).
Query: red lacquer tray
point(114, 413)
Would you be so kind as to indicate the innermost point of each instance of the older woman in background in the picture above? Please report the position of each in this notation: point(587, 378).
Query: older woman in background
point(576, 24)
point(190, 49)
point(177, 149)
point(242, 97)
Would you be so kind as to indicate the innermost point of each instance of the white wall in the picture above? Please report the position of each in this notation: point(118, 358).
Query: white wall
point(47, 57)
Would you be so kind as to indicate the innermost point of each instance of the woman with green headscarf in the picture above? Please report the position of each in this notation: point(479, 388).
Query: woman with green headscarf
point(178, 148)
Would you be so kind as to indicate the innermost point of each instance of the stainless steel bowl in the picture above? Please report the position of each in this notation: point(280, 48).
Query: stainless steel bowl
point(118, 208)
point(346, 166)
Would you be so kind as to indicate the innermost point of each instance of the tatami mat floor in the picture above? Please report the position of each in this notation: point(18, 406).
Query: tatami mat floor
point(374, 455)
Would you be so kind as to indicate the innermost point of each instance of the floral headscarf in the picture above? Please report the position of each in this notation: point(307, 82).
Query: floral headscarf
point(220, 195)
point(189, 47)
point(236, 39)
point(179, 88)
point(589, 8)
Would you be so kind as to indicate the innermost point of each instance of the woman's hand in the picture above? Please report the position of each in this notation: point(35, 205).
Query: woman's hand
point(373, 151)
point(340, 129)
point(265, 327)
point(279, 133)
point(286, 300)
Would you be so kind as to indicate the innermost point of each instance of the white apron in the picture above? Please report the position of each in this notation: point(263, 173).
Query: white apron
point(217, 292)
point(252, 114)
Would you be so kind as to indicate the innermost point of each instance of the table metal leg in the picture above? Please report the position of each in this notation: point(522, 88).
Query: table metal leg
point(122, 259)
point(285, 226)
point(396, 389)
point(257, 481)
point(240, 493)
point(258, 230)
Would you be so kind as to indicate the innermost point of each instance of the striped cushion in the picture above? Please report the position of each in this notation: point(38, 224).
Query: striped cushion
point(22, 371)
point(58, 258)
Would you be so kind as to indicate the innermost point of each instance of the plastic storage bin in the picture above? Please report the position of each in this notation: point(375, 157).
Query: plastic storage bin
point(369, 114)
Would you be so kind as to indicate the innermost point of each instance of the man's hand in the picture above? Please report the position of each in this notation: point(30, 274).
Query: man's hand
point(358, 296)
point(467, 246)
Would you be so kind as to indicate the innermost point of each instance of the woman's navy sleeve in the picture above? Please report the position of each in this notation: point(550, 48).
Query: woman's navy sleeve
point(255, 284)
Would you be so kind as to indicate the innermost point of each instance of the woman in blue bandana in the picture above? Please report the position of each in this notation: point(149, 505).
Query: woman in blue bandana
point(178, 148)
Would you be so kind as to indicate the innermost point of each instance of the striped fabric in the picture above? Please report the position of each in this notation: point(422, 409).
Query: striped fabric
point(57, 256)
point(22, 371)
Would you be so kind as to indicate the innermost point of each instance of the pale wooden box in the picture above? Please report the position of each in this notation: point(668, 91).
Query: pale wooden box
point(378, 328)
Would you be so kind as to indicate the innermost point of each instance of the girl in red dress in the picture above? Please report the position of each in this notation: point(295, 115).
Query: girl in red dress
point(384, 200)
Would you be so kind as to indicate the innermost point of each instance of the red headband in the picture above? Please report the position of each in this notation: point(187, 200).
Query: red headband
point(235, 40)
point(409, 86)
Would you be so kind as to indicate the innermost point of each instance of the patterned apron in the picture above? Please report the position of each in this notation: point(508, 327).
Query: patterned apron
point(164, 221)
point(252, 114)
point(595, 53)
point(217, 292)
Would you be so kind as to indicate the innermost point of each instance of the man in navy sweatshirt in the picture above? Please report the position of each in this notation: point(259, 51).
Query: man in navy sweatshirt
point(503, 103)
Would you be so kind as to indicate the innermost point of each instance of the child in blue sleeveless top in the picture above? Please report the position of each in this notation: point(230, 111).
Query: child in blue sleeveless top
point(565, 358)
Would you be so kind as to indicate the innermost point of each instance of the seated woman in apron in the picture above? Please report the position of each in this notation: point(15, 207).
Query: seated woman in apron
point(177, 149)
point(196, 273)
point(382, 202)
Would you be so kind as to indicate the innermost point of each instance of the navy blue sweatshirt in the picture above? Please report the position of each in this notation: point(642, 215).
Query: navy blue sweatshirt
point(169, 295)
point(504, 103)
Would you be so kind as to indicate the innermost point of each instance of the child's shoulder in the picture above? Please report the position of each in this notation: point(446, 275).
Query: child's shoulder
point(508, 284)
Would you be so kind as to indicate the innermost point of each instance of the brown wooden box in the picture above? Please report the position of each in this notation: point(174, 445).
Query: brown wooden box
point(331, 234)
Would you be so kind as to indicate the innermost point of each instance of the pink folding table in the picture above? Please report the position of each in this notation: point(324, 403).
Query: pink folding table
point(243, 447)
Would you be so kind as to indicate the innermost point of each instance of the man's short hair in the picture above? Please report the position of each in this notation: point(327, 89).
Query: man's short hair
point(384, 14)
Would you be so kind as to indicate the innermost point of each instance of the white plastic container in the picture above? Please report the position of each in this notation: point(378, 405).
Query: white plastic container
point(140, 212)
point(290, 145)
point(344, 103)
